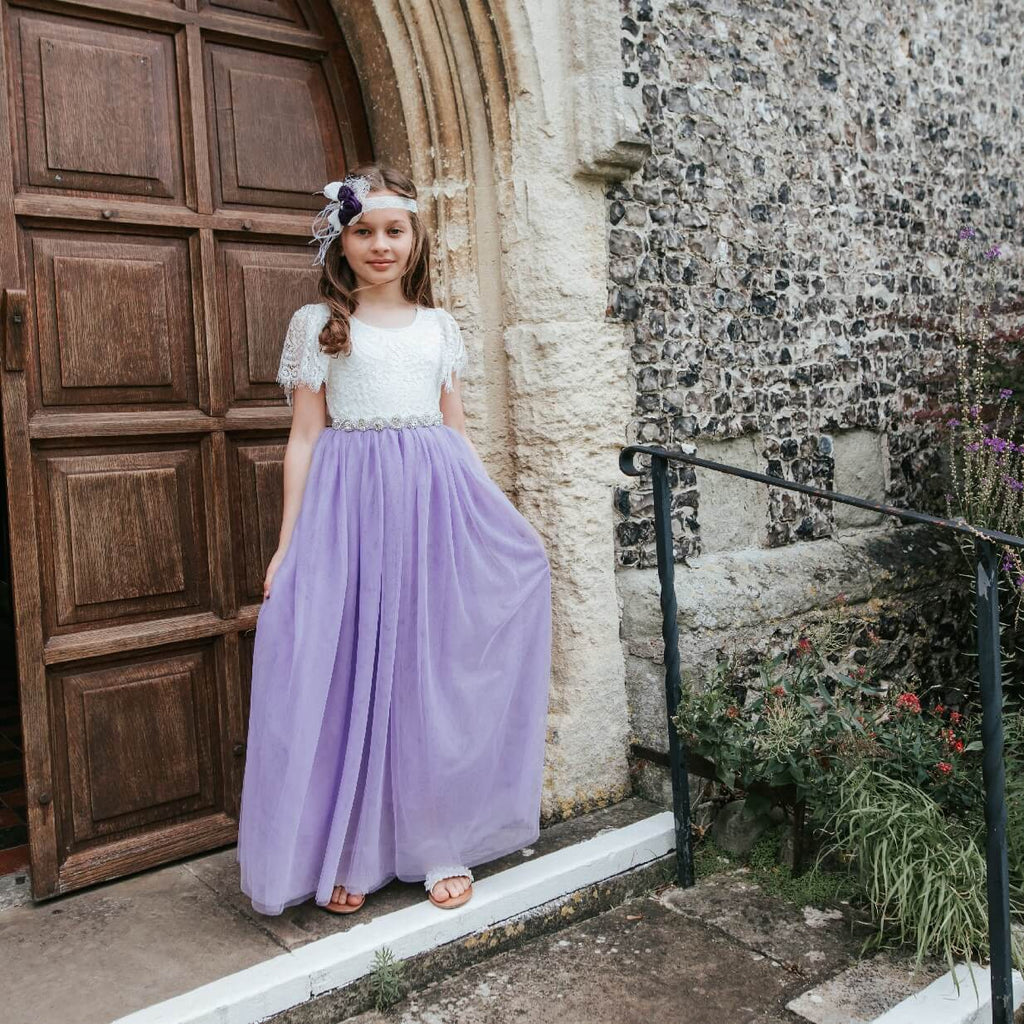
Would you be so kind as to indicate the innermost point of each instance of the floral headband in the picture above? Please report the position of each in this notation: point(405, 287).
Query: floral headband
point(347, 201)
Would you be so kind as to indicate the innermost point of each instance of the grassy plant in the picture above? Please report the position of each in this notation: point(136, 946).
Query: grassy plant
point(1015, 802)
point(922, 870)
point(816, 887)
point(709, 859)
point(386, 979)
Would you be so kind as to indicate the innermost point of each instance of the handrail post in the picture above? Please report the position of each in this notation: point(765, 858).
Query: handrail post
point(990, 675)
point(994, 775)
point(670, 634)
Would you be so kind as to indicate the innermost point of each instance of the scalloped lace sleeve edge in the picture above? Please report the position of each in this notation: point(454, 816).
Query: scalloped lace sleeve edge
point(455, 357)
point(302, 362)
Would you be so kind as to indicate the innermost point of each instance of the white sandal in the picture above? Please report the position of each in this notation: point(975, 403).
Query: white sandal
point(451, 871)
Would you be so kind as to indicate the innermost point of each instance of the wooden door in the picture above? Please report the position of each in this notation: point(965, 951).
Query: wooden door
point(154, 218)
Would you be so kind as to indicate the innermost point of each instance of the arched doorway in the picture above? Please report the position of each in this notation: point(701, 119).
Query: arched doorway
point(511, 145)
point(154, 219)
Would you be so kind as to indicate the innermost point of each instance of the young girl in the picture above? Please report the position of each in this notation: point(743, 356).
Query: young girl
point(403, 648)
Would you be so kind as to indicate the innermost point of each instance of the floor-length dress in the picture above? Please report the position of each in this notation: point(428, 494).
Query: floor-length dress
point(401, 664)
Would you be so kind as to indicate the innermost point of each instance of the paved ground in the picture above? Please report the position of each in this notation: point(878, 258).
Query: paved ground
point(721, 952)
point(119, 946)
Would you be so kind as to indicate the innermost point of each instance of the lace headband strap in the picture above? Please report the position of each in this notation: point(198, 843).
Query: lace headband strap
point(346, 202)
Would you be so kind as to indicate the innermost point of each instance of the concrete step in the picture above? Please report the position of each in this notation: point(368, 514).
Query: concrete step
point(181, 943)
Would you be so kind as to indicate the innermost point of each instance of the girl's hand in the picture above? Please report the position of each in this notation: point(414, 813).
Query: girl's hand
point(271, 569)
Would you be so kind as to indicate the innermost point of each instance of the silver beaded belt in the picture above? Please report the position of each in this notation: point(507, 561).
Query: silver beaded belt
point(427, 419)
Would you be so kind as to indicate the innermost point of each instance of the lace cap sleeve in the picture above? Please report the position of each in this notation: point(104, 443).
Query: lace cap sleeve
point(302, 362)
point(454, 355)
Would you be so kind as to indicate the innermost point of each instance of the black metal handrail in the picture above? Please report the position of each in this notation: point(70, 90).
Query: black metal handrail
point(990, 671)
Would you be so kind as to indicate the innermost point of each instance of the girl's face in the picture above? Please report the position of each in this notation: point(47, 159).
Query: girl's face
point(378, 245)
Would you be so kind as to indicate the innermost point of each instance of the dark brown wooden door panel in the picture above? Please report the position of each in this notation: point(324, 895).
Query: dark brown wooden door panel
point(256, 501)
point(113, 319)
point(98, 107)
point(138, 744)
point(124, 534)
point(259, 289)
point(273, 10)
point(142, 425)
point(273, 129)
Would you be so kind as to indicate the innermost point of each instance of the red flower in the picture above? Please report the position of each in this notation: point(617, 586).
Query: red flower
point(939, 709)
point(779, 691)
point(945, 767)
point(803, 646)
point(958, 746)
point(860, 672)
point(955, 717)
point(910, 701)
point(733, 712)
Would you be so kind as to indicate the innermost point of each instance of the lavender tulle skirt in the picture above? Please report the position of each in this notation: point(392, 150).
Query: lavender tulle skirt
point(400, 674)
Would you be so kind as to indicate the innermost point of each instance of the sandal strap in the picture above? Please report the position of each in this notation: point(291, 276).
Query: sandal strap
point(449, 871)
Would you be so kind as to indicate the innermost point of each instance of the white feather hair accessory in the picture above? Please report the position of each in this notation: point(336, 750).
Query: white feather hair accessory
point(347, 200)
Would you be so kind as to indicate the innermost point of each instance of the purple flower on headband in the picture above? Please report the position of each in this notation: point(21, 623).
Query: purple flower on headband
point(349, 204)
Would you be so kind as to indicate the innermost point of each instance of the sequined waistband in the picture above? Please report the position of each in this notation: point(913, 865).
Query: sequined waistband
point(429, 419)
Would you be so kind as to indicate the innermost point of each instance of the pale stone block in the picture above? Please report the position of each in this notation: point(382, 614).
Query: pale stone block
point(733, 512)
point(862, 471)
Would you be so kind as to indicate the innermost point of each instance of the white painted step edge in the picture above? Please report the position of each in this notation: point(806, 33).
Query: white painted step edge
point(939, 1002)
point(291, 978)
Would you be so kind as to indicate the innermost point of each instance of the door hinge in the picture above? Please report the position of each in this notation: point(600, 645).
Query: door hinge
point(15, 327)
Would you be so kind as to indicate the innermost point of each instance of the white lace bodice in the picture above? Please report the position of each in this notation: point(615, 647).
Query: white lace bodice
point(393, 375)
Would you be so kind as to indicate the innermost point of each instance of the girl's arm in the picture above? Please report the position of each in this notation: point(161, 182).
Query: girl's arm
point(309, 417)
point(453, 413)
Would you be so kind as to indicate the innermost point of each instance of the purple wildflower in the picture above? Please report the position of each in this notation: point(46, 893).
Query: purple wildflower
point(952, 422)
point(1014, 484)
point(974, 410)
point(973, 446)
point(967, 232)
point(1005, 392)
point(992, 253)
point(997, 444)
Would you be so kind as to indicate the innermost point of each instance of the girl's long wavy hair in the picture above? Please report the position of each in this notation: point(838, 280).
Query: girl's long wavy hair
point(338, 282)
